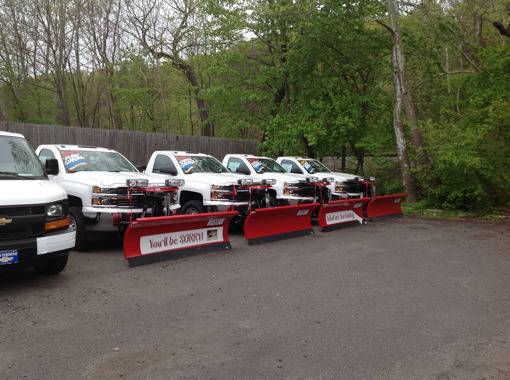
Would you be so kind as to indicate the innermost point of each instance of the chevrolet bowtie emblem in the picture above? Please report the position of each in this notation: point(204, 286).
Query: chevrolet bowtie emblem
point(4, 221)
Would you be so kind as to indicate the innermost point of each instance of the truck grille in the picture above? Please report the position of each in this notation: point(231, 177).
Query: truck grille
point(306, 189)
point(242, 195)
point(136, 199)
point(27, 222)
point(352, 186)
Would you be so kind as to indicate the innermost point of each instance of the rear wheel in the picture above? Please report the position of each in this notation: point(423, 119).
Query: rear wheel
point(53, 266)
point(78, 224)
point(192, 207)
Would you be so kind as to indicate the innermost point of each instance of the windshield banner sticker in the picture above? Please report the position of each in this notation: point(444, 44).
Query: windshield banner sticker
point(308, 167)
point(186, 163)
point(73, 160)
point(257, 165)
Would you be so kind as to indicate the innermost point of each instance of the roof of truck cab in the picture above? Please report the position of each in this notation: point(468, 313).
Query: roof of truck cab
point(249, 156)
point(180, 152)
point(79, 147)
point(11, 134)
point(295, 158)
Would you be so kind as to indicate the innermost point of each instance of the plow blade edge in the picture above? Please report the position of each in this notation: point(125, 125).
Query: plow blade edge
point(335, 213)
point(149, 240)
point(276, 223)
point(385, 205)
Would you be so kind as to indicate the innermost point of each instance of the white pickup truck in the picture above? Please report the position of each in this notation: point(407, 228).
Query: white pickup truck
point(34, 222)
point(105, 190)
point(346, 185)
point(289, 188)
point(209, 186)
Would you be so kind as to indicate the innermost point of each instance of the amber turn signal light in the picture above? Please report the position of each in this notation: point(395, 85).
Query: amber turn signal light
point(57, 224)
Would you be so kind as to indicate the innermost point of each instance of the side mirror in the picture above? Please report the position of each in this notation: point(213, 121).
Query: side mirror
point(168, 170)
point(51, 166)
point(244, 171)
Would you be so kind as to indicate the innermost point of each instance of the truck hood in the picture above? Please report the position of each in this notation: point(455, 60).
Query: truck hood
point(283, 177)
point(337, 176)
point(110, 178)
point(30, 192)
point(214, 178)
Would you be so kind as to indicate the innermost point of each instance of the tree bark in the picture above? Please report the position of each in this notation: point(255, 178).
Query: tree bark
point(405, 94)
point(398, 127)
point(191, 76)
point(344, 157)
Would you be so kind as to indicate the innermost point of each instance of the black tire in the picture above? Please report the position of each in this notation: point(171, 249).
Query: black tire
point(53, 266)
point(192, 207)
point(79, 224)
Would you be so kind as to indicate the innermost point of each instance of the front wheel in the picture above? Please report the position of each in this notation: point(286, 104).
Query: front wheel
point(78, 224)
point(53, 266)
point(192, 207)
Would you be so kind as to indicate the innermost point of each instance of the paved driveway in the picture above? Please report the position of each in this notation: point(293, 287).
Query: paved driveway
point(400, 298)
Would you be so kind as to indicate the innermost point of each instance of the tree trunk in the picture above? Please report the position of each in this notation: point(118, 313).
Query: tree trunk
point(403, 89)
point(402, 153)
point(403, 101)
point(203, 110)
point(308, 148)
point(344, 157)
point(360, 164)
point(63, 108)
point(3, 113)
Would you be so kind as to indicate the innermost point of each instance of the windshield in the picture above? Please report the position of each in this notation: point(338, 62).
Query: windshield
point(95, 161)
point(18, 160)
point(265, 165)
point(314, 166)
point(200, 164)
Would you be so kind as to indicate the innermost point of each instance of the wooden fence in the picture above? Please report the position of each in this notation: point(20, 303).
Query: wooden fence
point(136, 146)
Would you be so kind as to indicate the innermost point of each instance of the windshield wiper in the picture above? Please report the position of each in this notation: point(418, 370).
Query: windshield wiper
point(14, 175)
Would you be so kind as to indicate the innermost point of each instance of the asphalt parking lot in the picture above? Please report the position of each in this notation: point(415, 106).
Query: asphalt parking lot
point(399, 298)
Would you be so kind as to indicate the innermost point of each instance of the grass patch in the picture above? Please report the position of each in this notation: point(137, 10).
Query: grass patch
point(420, 210)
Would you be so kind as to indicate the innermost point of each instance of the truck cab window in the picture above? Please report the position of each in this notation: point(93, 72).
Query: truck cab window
point(163, 162)
point(291, 167)
point(236, 165)
point(18, 160)
point(45, 154)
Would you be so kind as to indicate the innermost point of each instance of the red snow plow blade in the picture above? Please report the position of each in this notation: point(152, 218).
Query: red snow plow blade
point(276, 223)
point(339, 212)
point(385, 205)
point(154, 239)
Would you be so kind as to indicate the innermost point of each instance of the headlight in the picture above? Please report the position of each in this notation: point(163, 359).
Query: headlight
point(372, 179)
point(219, 192)
point(245, 181)
point(174, 182)
point(290, 188)
point(269, 181)
point(55, 211)
point(103, 196)
point(56, 217)
point(137, 182)
point(103, 190)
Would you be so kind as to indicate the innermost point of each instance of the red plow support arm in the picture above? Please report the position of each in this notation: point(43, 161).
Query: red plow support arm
point(155, 239)
point(339, 212)
point(281, 222)
point(385, 205)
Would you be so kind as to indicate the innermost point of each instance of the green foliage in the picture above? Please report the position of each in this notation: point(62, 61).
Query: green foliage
point(309, 78)
point(471, 153)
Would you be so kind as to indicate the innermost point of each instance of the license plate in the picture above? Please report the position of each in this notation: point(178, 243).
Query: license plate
point(9, 257)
